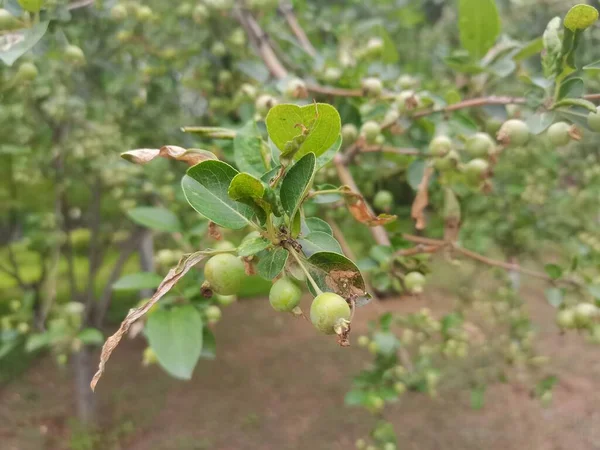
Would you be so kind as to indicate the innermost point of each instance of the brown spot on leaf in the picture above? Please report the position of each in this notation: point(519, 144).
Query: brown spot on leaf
point(213, 231)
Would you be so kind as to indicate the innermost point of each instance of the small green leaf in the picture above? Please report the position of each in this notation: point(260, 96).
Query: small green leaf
point(272, 262)
point(540, 121)
point(356, 397)
point(175, 335)
point(333, 272)
point(554, 296)
point(319, 242)
point(571, 88)
point(315, 224)
point(529, 49)
point(206, 188)
point(296, 184)
point(575, 102)
point(209, 345)
point(592, 66)
point(326, 157)
point(137, 281)
point(479, 25)
point(252, 246)
point(33, 6)
point(415, 173)
point(249, 150)
point(245, 187)
point(284, 123)
point(387, 342)
point(553, 271)
point(91, 336)
point(155, 218)
point(21, 42)
point(580, 17)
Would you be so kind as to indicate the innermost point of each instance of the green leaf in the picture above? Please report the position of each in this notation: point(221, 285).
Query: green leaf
point(91, 336)
point(296, 184)
point(572, 88)
point(33, 6)
point(209, 345)
point(38, 341)
point(319, 242)
point(415, 173)
point(387, 342)
point(315, 224)
point(592, 66)
point(554, 296)
point(580, 17)
point(206, 188)
point(249, 151)
point(245, 187)
point(553, 271)
point(321, 119)
point(540, 121)
point(21, 42)
point(334, 272)
point(529, 49)
point(356, 397)
point(479, 25)
point(155, 218)
point(252, 246)
point(272, 262)
point(175, 335)
point(326, 157)
point(576, 102)
point(137, 281)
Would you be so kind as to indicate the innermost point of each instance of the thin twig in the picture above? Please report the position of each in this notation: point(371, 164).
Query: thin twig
point(472, 103)
point(80, 4)
point(390, 149)
point(337, 92)
point(287, 10)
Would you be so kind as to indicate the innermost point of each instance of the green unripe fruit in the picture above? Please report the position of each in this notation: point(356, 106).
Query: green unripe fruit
point(389, 446)
point(349, 133)
point(383, 200)
point(218, 49)
point(375, 403)
point(225, 273)
point(492, 126)
point(118, 13)
point(7, 20)
point(406, 82)
point(374, 46)
point(407, 100)
point(372, 87)
point(284, 295)
point(247, 90)
point(585, 313)
point(593, 120)
point(513, 132)
point(363, 341)
point(329, 310)
point(400, 388)
point(373, 347)
point(149, 357)
point(360, 444)
point(480, 145)
point(440, 146)
point(238, 37)
point(224, 245)
point(200, 13)
point(225, 300)
point(332, 74)
point(264, 103)
point(414, 282)
point(23, 327)
point(74, 55)
point(213, 314)
point(476, 168)
point(558, 134)
point(27, 72)
point(448, 162)
point(296, 88)
point(370, 130)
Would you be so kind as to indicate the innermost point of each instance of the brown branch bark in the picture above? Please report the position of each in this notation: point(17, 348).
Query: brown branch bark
point(472, 103)
point(287, 10)
point(103, 304)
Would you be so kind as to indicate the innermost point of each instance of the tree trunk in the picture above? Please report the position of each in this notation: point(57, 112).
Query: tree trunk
point(85, 402)
point(147, 257)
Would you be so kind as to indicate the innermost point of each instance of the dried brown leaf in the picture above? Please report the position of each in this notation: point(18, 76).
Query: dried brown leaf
point(421, 200)
point(361, 211)
point(213, 231)
point(190, 156)
point(174, 275)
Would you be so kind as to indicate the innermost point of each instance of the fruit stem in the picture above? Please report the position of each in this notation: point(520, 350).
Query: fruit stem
point(308, 276)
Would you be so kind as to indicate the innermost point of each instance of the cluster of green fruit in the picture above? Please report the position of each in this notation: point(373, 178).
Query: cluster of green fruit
point(581, 316)
point(329, 312)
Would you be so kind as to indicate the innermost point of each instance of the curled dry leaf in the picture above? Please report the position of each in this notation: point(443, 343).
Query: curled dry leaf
point(361, 211)
point(213, 231)
point(174, 275)
point(190, 156)
point(417, 211)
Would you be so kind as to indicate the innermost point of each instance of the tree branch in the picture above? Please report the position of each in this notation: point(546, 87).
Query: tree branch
point(472, 103)
point(127, 249)
point(287, 10)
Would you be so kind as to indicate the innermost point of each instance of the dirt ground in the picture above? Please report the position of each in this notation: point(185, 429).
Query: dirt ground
point(278, 385)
